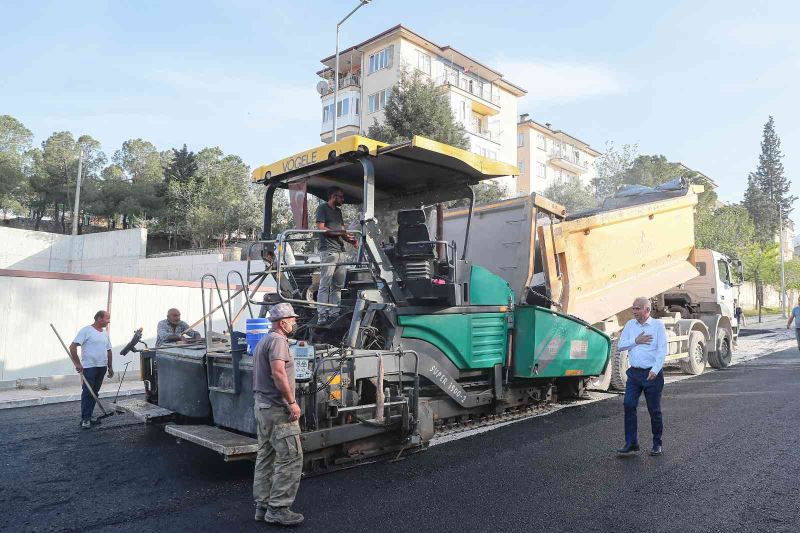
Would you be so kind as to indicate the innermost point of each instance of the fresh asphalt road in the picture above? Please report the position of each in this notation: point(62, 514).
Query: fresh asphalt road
point(732, 442)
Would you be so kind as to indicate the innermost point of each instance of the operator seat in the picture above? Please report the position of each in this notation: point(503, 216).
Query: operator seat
point(416, 259)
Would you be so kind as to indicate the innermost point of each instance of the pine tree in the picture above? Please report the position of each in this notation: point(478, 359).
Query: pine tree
point(767, 188)
point(416, 107)
point(183, 166)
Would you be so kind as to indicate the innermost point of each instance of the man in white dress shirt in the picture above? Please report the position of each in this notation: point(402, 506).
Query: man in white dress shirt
point(645, 339)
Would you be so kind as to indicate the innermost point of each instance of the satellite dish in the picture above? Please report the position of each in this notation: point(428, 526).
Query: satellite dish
point(322, 87)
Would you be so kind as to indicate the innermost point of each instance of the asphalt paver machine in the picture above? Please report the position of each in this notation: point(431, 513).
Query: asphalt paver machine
point(425, 339)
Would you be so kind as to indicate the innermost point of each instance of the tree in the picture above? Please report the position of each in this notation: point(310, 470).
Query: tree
point(15, 141)
point(182, 166)
point(140, 161)
point(417, 107)
point(571, 193)
point(611, 166)
point(728, 230)
point(761, 265)
point(767, 196)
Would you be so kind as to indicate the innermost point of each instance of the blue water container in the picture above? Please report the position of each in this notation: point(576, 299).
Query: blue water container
point(256, 329)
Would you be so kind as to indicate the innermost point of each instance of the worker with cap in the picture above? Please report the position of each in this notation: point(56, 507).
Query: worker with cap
point(279, 462)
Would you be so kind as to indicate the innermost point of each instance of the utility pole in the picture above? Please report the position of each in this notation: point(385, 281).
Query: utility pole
point(783, 277)
point(77, 195)
point(336, 67)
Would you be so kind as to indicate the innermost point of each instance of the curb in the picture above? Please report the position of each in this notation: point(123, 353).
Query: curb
point(63, 398)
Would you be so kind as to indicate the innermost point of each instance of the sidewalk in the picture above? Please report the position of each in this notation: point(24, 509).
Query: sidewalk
point(767, 322)
point(30, 396)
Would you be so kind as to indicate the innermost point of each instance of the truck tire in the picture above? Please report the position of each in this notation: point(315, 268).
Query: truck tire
point(721, 358)
point(603, 381)
point(619, 367)
point(696, 362)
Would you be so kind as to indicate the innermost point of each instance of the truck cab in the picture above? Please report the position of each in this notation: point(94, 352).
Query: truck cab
point(712, 291)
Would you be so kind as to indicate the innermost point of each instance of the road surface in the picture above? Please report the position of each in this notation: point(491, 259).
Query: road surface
point(730, 463)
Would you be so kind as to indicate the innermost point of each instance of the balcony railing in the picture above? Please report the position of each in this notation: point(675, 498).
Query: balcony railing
point(483, 90)
point(486, 134)
point(351, 80)
point(570, 157)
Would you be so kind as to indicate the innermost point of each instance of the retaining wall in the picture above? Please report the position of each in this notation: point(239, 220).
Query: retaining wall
point(33, 300)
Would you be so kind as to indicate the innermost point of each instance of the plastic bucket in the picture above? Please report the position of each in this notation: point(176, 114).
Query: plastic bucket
point(255, 330)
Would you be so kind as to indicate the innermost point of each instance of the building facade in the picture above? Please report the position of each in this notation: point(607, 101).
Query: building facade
point(481, 99)
point(546, 156)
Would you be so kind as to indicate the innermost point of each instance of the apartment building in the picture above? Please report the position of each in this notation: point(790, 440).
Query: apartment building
point(546, 155)
point(481, 98)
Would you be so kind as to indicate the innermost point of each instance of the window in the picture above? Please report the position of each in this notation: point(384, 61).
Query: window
point(424, 62)
point(356, 102)
point(521, 167)
point(463, 110)
point(343, 107)
point(540, 170)
point(381, 59)
point(520, 139)
point(701, 267)
point(491, 154)
point(327, 113)
point(540, 142)
point(377, 101)
point(724, 275)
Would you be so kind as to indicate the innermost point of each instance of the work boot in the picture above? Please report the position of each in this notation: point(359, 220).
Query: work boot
point(628, 449)
point(283, 516)
point(260, 512)
point(86, 424)
point(657, 450)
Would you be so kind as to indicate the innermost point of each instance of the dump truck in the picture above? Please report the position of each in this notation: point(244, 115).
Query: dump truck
point(426, 339)
point(592, 264)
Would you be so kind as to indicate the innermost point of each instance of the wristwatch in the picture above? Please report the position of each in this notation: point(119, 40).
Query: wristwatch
point(290, 403)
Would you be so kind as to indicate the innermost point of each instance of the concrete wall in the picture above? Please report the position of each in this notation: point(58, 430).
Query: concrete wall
point(28, 347)
point(772, 298)
point(114, 252)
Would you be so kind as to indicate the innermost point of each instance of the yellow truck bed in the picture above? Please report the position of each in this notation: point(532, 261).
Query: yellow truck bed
point(593, 265)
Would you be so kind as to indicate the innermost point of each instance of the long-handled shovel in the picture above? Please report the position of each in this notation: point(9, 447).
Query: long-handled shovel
point(106, 413)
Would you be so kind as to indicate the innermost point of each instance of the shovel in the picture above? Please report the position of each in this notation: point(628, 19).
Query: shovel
point(106, 413)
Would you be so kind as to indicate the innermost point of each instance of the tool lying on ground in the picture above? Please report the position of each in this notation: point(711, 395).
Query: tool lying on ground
point(106, 412)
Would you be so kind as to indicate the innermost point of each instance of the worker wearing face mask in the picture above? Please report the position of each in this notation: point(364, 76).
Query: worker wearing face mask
point(279, 462)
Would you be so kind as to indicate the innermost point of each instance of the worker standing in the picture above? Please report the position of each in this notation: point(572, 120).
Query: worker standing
point(645, 340)
point(796, 317)
point(94, 360)
point(331, 248)
point(279, 462)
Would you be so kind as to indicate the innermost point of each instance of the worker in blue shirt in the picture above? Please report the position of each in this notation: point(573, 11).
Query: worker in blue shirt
point(645, 339)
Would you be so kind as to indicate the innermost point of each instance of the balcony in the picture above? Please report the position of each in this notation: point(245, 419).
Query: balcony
point(569, 160)
point(351, 80)
point(486, 96)
point(489, 135)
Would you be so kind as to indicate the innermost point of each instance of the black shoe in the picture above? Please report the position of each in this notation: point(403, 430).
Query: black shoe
point(656, 451)
point(628, 449)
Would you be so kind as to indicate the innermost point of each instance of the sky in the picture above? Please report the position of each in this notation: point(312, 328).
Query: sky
point(695, 81)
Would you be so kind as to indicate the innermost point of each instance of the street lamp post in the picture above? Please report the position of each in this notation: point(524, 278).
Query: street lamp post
point(783, 277)
point(336, 67)
point(77, 195)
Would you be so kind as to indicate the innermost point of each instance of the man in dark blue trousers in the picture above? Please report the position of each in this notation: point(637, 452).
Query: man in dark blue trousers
point(645, 340)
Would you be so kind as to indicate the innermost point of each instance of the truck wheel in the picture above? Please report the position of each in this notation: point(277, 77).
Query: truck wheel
point(619, 366)
point(696, 362)
point(722, 357)
point(603, 381)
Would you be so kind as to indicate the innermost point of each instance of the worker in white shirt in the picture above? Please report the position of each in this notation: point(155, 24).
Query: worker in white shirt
point(95, 359)
point(645, 340)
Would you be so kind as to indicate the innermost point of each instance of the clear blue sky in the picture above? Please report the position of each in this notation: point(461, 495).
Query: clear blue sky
point(692, 80)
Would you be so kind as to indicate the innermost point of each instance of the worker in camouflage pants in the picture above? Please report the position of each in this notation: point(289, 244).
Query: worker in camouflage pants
point(279, 462)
